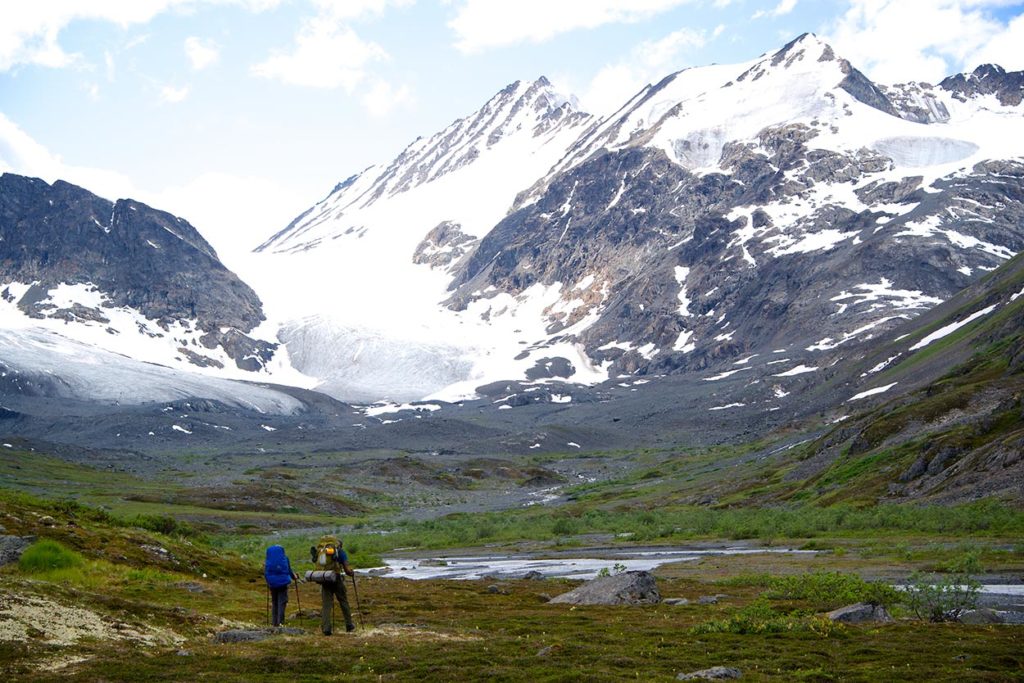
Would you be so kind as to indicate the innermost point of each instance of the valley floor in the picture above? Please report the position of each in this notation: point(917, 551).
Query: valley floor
point(134, 604)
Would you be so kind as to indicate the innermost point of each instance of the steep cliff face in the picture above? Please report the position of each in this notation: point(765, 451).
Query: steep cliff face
point(126, 269)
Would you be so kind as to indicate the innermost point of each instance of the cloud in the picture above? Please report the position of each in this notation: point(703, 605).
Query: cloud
point(947, 36)
point(172, 95)
point(382, 98)
point(233, 213)
point(480, 25)
point(1003, 49)
point(201, 53)
point(29, 31)
point(780, 10)
point(326, 55)
point(648, 61)
point(20, 153)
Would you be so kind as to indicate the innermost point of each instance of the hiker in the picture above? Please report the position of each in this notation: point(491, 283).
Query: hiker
point(330, 558)
point(277, 570)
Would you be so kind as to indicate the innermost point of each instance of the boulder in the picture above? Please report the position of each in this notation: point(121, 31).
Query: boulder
point(715, 673)
point(982, 616)
point(628, 588)
point(238, 635)
point(860, 613)
point(533, 575)
point(676, 601)
point(11, 548)
point(710, 599)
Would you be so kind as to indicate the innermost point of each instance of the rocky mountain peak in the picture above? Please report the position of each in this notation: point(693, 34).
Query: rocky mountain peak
point(69, 255)
point(988, 79)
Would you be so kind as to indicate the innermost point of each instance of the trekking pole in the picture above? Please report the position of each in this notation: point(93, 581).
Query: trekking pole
point(298, 602)
point(359, 608)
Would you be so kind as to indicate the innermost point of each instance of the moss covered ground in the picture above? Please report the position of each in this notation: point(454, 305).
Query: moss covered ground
point(156, 599)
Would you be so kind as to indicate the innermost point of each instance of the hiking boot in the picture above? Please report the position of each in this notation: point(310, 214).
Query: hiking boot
point(350, 627)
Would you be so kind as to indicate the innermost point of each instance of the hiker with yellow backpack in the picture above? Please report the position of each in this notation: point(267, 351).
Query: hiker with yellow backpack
point(331, 567)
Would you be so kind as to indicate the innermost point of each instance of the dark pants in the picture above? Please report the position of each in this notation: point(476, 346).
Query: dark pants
point(328, 591)
point(278, 600)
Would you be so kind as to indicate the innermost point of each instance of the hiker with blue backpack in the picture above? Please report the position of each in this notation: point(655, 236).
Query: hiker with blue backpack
point(277, 570)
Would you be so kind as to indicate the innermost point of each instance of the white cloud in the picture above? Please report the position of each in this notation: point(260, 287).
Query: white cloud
point(382, 98)
point(780, 10)
point(648, 61)
point(29, 30)
point(233, 213)
point(201, 53)
point(1003, 48)
point(172, 95)
point(483, 24)
point(20, 153)
point(947, 36)
point(326, 55)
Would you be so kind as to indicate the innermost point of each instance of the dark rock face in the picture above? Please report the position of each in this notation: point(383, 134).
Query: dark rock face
point(641, 234)
point(988, 79)
point(628, 588)
point(135, 256)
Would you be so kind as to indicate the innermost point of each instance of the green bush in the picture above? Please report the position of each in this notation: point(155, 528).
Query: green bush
point(757, 617)
point(941, 598)
point(47, 555)
point(163, 524)
point(830, 590)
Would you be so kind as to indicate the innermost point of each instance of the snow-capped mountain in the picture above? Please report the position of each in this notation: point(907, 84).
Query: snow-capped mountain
point(359, 278)
point(95, 293)
point(786, 207)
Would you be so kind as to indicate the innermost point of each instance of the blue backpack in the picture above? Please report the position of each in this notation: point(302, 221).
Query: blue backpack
point(277, 570)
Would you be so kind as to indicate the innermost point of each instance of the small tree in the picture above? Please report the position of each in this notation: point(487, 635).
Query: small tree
point(941, 598)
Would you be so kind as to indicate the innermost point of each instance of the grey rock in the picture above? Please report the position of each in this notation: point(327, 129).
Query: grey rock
point(715, 673)
point(255, 635)
point(533, 575)
point(494, 589)
point(628, 588)
point(676, 601)
point(546, 651)
point(11, 548)
point(860, 613)
point(982, 616)
point(191, 586)
point(711, 599)
point(47, 520)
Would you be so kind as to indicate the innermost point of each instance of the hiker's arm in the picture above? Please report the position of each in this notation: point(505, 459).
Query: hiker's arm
point(348, 569)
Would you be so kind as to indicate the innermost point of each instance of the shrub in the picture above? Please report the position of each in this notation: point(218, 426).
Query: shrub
point(163, 524)
point(47, 555)
point(757, 617)
point(941, 598)
point(829, 590)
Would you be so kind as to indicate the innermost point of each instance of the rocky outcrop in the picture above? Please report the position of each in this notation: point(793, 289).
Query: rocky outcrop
point(627, 588)
point(131, 256)
point(988, 79)
point(443, 246)
point(860, 613)
point(11, 548)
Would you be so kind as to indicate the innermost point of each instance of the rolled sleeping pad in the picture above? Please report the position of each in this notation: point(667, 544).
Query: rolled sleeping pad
point(322, 576)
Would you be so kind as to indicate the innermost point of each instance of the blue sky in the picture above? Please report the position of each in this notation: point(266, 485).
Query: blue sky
point(238, 114)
